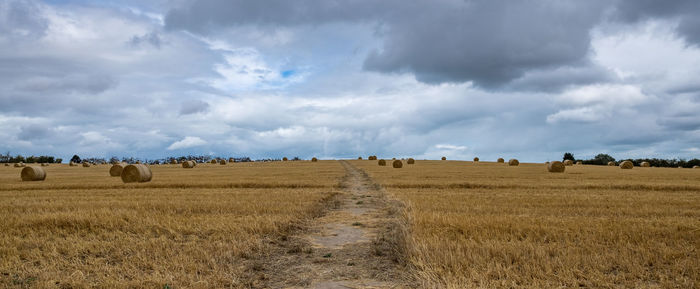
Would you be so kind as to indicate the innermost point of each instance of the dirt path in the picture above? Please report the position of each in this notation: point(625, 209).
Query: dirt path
point(350, 246)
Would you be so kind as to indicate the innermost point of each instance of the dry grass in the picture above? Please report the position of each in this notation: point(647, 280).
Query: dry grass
point(185, 229)
point(591, 226)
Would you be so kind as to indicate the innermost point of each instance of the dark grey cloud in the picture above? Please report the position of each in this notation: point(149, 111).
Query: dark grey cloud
point(19, 19)
point(203, 16)
point(33, 132)
point(152, 38)
point(684, 11)
point(488, 42)
point(684, 123)
point(194, 106)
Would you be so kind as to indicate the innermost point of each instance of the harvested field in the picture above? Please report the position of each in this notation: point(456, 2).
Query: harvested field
point(186, 229)
point(444, 224)
point(495, 226)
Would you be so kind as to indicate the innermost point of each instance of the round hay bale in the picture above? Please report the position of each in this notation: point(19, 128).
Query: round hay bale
point(411, 161)
point(612, 164)
point(116, 169)
point(44, 164)
point(579, 163)
point(18, 165)
point(556, 167)
point(314, 159)
point(7, 164)
point(444, 158)
point(136, 173)
point(231, 160)
point(626, 165)
point(568, 162)
point(173, 162)
point(285, 159)
point(72, 164)
point(138, 162)
point(86, 165)
point(222, 162)
point(645, 164)
point(213, 161)
point(359, 158)
point(476, 159)
point(382, 162)
point(372, 158)
point(500, 160)
point(33, 174)
point(696, 167)
point(188, 164)
point(397, 164)
point(513, 162)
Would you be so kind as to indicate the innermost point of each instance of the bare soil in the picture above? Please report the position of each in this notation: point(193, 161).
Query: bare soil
point(351, 245)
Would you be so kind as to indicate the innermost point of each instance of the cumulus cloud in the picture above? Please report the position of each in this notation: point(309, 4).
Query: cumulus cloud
point(187, 142)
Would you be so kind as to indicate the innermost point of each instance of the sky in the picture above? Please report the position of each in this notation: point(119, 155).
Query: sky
point(527, 79)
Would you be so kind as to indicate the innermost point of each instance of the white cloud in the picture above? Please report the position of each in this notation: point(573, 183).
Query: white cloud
point(187, 142)
point(450, 147)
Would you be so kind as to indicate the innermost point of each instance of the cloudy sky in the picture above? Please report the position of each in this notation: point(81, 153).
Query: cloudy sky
point(529, 79)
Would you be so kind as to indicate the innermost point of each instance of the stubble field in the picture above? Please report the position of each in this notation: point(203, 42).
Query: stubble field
point(494, 226)
point(484, 225)
point(188, 228)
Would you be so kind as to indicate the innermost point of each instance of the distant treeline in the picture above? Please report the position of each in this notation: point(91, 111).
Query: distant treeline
point(7, 158)
point(603, 159)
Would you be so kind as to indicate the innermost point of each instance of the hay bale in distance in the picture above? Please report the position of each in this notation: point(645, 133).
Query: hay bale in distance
point(188, 164)
point(696, 167)
point(86, 164)
point(579, 163)
point(513, 162)
point(611, 164)
point(476, 159)
point(7, 164)
point(372, 158)
point(72, 164)
point(645, 164)
point(626, 165)
point(411, 161)
point(359, 158)
point(32, 173)
point(222, 162)
point(556, 167)
point(285, 159)
point(44, 164)
point(500, 160)
point(213, 161)
point(116, 169)
point(19, 165)
point(444, 158)
point(231, 160)
point(136, 173)
point(568, 162)
point(138, 162)
point(397, 164)
point(173, 162)
point(382, 162)
point(314, 159)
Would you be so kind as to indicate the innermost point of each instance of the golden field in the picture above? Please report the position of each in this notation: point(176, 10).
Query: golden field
point(488, 225)
point(188, 228)
point(484, 225)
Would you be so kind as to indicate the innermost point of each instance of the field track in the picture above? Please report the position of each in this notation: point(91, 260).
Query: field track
point(350, 246)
